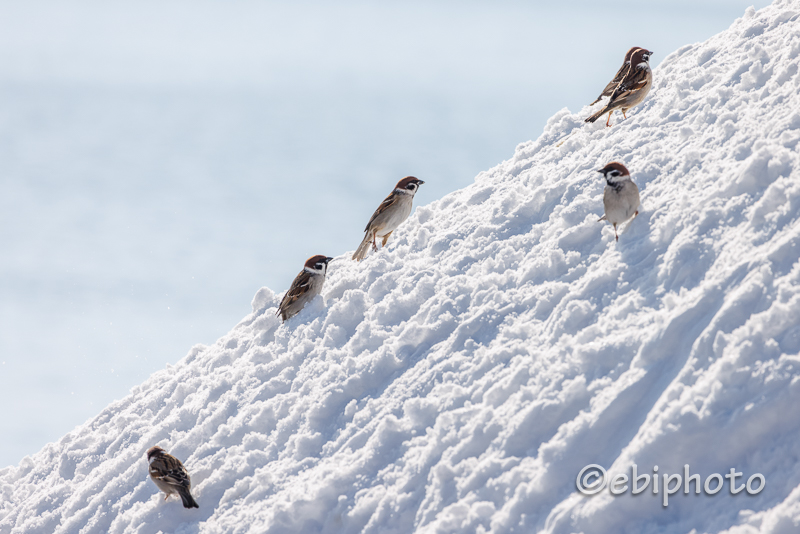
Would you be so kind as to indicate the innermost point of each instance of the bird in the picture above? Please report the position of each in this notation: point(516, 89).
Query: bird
point(626, 63)
point(620, 196)
point(305, 286)
point(632, 89)
point(390, 214)
point(170, 476)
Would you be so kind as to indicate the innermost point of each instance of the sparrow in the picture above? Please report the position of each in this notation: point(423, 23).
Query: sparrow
point(633, 87)
point(170, 476)
point(390, 214)
point(305, 287)
point(626, 63)
point(620, 196)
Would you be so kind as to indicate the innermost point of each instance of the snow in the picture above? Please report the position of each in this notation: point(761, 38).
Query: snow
point(459, 380)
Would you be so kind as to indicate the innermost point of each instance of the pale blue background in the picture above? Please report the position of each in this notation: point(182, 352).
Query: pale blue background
point(161, 161)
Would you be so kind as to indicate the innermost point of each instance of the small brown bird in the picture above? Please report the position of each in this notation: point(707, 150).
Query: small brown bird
point(620, 196)
point(632, 89)
point(305, 286)
point(390, 214)
point(170, 476)
point(626, 63)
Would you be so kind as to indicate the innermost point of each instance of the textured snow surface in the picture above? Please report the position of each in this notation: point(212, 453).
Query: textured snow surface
point(458, 380)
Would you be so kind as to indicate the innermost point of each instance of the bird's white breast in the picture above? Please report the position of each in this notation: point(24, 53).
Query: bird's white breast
point(621, 205)
point(394, 218)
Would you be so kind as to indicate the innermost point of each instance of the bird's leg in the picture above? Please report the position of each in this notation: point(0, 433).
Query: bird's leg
point(609, 118)
point(385, 239)
point(615, 232)
point(636, 213)
point(623, 114)
point(166, 496)
point(374, 244)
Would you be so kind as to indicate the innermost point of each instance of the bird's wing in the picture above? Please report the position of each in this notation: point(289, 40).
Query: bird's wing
point(300, 286)
point(171, 471)
point(635, 79)
point(387, 202)
point(623, 70)
point(610, 86)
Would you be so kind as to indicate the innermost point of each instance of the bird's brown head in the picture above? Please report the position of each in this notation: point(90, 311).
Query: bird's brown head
point(614, 170)
point(318, 262)
point(640, 55)
point(154, 451)
point(630, 52)
point(409, 184)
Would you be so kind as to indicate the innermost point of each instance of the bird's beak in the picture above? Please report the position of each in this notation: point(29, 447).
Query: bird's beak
point(599, 170)
point(328, 260)
point(421, 182)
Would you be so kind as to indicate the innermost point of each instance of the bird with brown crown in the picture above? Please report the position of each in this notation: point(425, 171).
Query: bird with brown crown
point(306, 286)
point(620, 195)
point(632, 89)
point(626, 64)
point(170, 476)
point(390, 214)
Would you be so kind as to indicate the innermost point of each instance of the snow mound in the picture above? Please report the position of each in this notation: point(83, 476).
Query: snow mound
point(459, 380)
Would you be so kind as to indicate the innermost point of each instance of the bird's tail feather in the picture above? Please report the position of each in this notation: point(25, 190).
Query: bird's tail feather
point(188, 500)
point(597, 115)
point(363, 248)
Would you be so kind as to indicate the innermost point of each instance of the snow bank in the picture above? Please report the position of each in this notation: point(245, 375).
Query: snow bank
point(459, 380)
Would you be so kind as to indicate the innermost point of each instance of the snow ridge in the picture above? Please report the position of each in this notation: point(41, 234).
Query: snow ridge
point(458, 380)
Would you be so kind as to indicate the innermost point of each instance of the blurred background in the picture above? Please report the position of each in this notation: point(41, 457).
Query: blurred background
point(160, 161)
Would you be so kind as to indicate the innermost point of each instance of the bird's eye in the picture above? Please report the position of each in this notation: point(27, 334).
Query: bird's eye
point(614, 173)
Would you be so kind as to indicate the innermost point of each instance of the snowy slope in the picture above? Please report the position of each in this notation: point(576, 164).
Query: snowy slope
point(459, 380)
